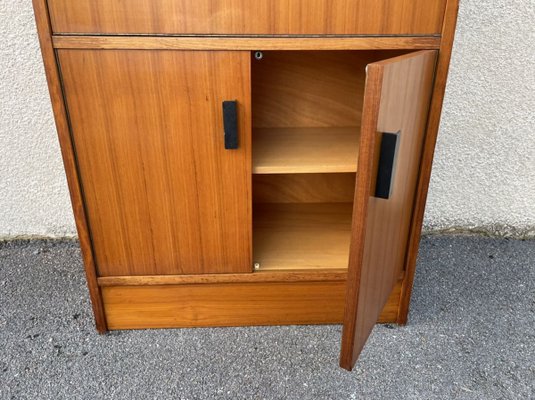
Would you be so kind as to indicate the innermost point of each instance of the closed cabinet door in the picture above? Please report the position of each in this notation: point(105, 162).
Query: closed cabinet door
point(396, 105)
point(163, 148)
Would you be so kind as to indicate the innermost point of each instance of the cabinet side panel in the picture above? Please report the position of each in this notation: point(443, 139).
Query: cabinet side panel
point(69, 162)
point(163, 195)
point(242, 17)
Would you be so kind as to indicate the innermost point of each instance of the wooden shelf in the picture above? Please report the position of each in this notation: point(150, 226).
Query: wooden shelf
point(302, 236)
point(305, 150)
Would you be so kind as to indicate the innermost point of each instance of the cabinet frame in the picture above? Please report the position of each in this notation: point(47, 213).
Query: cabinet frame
point(50, 42)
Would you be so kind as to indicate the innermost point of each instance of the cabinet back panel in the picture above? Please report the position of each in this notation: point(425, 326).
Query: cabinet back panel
point(162, 194)
point(310, 88)
point(279, 17)
point(304, 188)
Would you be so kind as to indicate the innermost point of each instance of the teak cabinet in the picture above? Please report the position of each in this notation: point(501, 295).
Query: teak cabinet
point(248, 162)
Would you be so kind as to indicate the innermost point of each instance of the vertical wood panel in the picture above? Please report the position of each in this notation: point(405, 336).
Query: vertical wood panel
point(397, 96)
point(163, 195)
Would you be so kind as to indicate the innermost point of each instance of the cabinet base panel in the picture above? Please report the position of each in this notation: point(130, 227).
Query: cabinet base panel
point(231, 304)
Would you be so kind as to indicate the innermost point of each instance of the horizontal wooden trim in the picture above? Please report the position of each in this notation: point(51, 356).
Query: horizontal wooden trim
point(256, 277)
point(233, 304)
point(214, 305)
point(246, 43)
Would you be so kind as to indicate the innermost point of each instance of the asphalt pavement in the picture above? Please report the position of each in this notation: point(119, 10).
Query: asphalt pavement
point(471, 335)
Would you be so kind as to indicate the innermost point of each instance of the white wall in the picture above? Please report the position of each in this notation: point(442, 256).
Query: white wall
point(34, 198)
point(484, 172)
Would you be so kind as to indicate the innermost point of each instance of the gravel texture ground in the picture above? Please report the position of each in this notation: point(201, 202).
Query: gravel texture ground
point(471, 335)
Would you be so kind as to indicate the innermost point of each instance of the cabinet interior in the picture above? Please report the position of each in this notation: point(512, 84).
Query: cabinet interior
point(306, 111)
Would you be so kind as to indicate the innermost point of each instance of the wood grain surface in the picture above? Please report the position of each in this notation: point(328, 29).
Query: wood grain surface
point(285, 276)
point(279, 17)
point(302, 236)
point(304, 188)
point(397, 97)
point(246, 43)
point(162, 194)
point(231, 304)
point(305, 150)
point(309, 89)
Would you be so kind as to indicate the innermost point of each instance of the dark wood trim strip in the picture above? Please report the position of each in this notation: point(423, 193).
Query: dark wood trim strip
point(245, 43)
point(60, 114)
point(268, 276)
point(448, 34)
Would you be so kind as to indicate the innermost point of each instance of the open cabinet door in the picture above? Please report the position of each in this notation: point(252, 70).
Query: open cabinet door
point(396, 104)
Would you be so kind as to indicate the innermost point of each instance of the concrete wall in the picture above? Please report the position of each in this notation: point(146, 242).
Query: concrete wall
point(484, 172)
point(34, 198)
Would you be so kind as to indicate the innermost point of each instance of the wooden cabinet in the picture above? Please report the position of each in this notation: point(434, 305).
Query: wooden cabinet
point(231, 166)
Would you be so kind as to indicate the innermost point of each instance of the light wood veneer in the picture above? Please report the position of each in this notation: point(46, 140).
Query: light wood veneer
point(302, 236)
point(305, 150)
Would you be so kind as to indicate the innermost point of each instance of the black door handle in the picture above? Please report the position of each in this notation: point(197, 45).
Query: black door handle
point(387, 158)
point(230, 124)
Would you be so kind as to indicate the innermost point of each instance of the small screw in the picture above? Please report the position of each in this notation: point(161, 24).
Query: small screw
point(258, 55)
point(256, 266)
